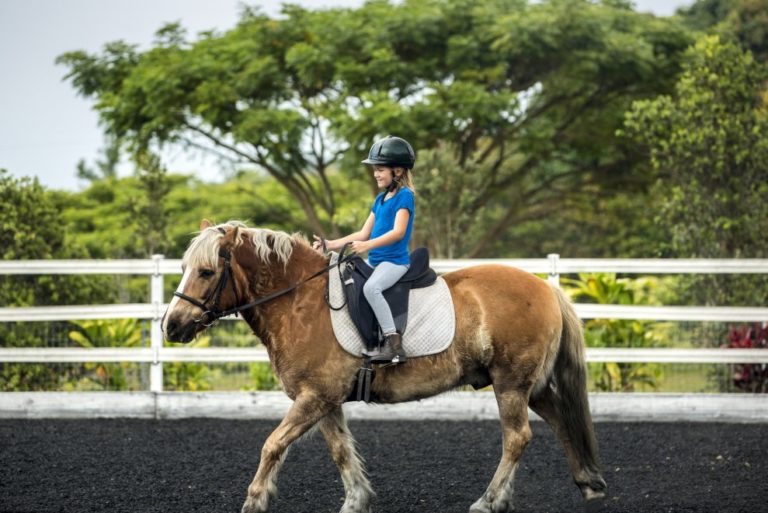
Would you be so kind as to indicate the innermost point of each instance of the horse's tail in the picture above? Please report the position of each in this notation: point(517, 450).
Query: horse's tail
point(568, 397)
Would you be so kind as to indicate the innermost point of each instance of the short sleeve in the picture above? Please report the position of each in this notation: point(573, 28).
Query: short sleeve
point(406, 201)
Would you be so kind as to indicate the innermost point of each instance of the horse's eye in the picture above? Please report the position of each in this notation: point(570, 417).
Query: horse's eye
point(206, 273)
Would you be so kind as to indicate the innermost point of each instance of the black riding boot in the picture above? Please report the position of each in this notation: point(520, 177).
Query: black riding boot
point(391, 352)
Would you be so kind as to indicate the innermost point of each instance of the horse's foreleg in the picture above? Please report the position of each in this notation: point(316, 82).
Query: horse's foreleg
point(516, 433)
point(344, 454)
point(303, 414)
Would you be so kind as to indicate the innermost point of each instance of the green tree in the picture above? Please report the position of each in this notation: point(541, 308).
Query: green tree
point(526, 96)
point(32, 227)
point(709, 143)
point(149, 209)
point(104, 168)
point(103, 216)
point(525, 112)
point(746, 21)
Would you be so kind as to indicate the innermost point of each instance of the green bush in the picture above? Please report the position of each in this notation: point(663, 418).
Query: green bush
point(188, 376)
point(104, 333)
point(263, 377)
point(606, 288)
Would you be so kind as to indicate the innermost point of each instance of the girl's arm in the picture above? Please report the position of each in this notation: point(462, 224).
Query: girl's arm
point(363, 234)
point(392, 236)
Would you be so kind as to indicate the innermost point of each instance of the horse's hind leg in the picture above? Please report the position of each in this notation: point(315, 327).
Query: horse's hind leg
point(578, 441)
point(344, 454)
point(516, 433)
point(305, 412)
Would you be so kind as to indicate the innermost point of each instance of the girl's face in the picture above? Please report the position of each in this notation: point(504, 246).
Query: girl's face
point(383, 176)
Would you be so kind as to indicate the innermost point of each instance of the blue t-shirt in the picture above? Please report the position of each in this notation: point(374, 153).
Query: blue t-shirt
point(385, 212)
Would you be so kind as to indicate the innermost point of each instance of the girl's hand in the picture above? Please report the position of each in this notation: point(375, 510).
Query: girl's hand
point(360, 246)
point(317, 245)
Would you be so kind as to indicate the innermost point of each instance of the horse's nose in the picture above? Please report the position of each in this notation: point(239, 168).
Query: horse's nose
point(171, 329)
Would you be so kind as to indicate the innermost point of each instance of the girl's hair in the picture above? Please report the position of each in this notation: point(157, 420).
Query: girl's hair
point(405, 179)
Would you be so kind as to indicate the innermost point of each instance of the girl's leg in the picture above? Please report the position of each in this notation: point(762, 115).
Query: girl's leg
point(384, 276)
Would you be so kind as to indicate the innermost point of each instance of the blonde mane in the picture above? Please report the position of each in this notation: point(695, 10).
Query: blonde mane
point(203, 251)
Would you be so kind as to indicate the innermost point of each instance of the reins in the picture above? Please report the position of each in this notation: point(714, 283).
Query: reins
point(212, 314)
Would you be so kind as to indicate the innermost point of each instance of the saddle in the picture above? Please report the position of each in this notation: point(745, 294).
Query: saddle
point(354, 275)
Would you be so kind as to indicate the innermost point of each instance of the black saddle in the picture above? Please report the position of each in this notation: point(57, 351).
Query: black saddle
point(357, 271)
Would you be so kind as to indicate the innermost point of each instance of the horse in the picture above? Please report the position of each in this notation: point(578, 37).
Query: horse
point(514, 331)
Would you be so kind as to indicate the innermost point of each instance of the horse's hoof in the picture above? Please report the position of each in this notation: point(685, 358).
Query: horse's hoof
point(591, 495)
point(365, 509)
point(252, 505)
point(481, 506)
point(502, 505)
point(595, 490)
point(357, 504)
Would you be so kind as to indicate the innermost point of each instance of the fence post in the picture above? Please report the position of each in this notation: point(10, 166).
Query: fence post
point(554, 273)
point(156, 333)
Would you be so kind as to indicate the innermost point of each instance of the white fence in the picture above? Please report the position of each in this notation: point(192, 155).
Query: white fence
point(158, 267)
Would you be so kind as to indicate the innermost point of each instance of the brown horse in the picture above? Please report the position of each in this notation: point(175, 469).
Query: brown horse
point(513, 330)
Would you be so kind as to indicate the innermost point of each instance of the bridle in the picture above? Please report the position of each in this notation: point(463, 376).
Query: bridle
point(211, 313)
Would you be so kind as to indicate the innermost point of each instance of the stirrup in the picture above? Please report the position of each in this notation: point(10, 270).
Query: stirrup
point(380, 359)
point(372, 353)
point(392, 358)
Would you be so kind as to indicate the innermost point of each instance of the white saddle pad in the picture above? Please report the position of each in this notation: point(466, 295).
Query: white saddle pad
point(431, 319)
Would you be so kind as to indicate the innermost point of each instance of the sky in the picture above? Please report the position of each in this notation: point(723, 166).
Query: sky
point(46, 128)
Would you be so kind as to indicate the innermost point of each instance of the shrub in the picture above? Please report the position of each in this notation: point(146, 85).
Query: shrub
point(606, 288)
point(749, 377)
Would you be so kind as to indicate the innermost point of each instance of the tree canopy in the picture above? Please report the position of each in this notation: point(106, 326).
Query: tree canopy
point(517, 102)
point(745, 21)
point(32, 227)
point(708, 142)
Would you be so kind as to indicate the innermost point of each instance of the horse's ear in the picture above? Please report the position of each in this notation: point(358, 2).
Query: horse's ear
point(205, 223)
point(229, 238)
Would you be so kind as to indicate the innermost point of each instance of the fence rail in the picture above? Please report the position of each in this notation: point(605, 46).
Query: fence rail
point(259, 354)
point(585, 311)
point(553, 266)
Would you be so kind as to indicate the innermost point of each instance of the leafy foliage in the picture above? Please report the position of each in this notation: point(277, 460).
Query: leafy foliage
point(524, 97)
point(749, 377)
point(185, 376)
point(109, 206)
point(605, 288)
point(106, 333)
point(32, 227)
point(709, 142)
point(102, 169)
point(150, 211)
point(745, 21)
point(263, 377)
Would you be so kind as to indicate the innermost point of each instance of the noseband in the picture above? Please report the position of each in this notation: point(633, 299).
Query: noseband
point(211, 314)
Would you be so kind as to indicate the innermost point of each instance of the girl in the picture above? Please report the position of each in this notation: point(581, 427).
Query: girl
point(385, 236)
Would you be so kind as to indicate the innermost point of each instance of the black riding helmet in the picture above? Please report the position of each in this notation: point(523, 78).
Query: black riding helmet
point(393, 152)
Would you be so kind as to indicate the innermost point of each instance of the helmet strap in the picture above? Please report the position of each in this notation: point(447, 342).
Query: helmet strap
point(395, 183)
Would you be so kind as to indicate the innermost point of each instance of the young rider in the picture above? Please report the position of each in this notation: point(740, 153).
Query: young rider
point(385, 236)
